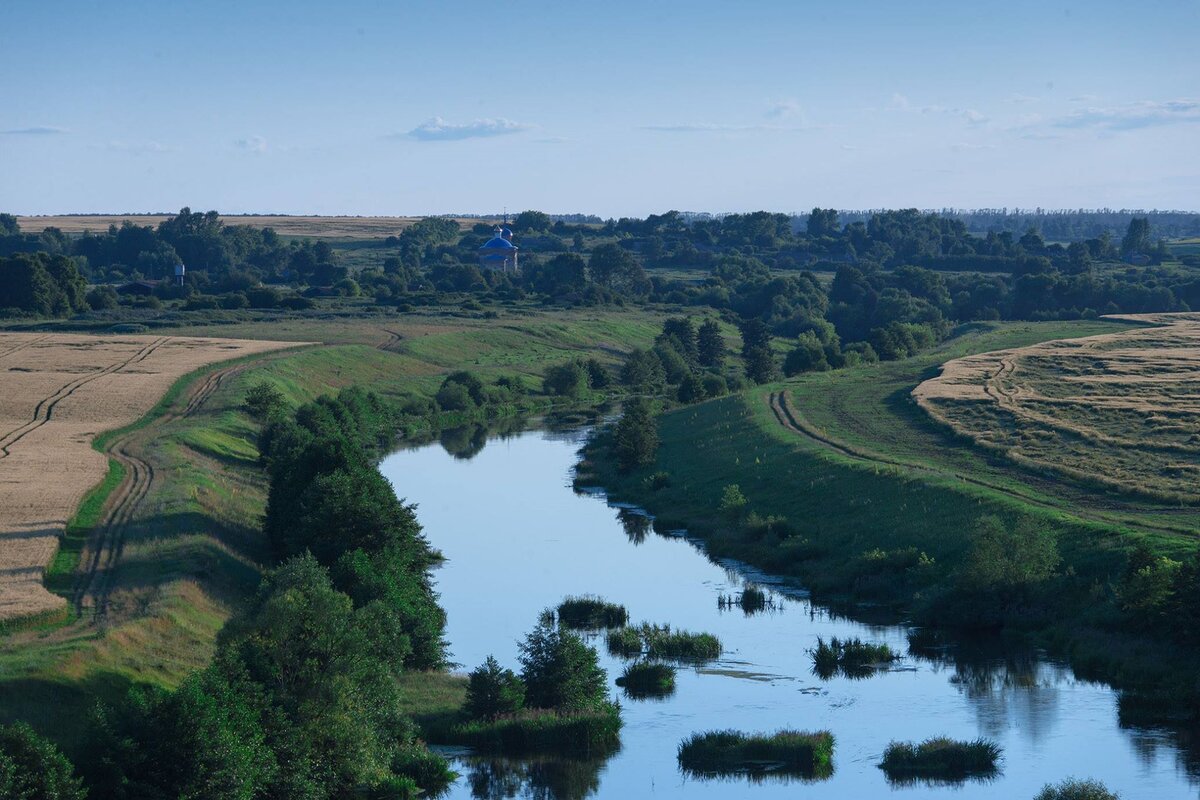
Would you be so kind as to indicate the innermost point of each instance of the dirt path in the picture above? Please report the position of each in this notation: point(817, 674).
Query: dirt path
point(103, 552)
point(786, 417)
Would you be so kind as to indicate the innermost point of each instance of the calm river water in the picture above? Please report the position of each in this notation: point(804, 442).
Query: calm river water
point(518, 539)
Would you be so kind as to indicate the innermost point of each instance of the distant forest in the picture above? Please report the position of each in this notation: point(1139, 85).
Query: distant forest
point(845, 288)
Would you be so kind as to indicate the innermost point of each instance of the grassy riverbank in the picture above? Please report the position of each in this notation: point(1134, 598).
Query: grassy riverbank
point(193, 549)
point(880, 505)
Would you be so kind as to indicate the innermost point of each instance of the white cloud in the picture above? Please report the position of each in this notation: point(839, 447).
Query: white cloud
point(973, 117)
point(900, 102)
point(251, 144)
point(439, 130)
point(1131, 116)
point(783, 108)
point(36, 130)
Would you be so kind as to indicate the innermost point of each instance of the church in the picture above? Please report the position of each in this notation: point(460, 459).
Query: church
point(499, 252)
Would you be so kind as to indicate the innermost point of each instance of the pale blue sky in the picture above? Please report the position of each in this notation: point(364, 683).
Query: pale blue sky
point(614, 108)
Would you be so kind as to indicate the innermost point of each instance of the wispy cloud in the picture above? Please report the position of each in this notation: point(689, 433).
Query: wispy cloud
point(781, 109)
point(901, 102)
point(36, 130)
point(139, 148)
point(1021, 99)
point(720, 127)
point(251, 144)
point(1132, 116)
point(439, 130)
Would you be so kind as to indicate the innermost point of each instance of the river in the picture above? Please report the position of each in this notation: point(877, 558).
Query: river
point(517, 539)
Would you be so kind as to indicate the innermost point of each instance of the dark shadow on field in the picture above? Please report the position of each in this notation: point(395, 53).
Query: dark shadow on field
point(244, 540)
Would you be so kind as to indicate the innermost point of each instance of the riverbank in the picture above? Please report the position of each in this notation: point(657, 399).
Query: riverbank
point(891, 534)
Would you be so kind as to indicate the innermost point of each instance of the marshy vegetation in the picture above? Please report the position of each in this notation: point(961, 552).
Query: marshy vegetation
point(853, 658)
point(940, 759)
point(591, 613)
point(660, 642)
point(1072, 789)
point(646, 679)
point(786, 753)
point(751, 600)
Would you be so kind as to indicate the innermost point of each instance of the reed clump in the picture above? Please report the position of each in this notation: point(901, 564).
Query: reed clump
point(645, 679)
point(591, 613)
point(784, 753)
point(853, 658)
point(586, 732)
point(660, 642)
point(1072, 789)
point(941, 759)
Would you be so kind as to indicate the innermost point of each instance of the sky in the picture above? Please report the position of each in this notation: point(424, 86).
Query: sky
point(617, 108)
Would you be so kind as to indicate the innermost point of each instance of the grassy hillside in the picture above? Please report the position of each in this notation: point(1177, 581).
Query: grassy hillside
point(192, 549)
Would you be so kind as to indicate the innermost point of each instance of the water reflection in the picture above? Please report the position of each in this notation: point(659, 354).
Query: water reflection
point(537, 779)
point(636, 523)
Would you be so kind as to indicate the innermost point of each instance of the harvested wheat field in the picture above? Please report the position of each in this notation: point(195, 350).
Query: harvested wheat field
point(57, 392)
point(1120, 411)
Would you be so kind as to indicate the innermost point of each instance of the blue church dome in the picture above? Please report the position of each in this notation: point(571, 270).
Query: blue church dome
point(497, 243)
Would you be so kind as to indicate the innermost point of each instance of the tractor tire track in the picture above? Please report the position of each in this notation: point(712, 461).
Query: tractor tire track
point(22, 346)
point(785, 417)
point(93, 585)
point(44, 410)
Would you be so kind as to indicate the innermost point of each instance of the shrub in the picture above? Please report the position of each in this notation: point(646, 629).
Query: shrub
point(647, 679)
point(786, 752)
point(454, 397)
point(427, 771)
point(714, 385)
point(566, 380)
point(102, 298)
point(31, 768)
point(733, 502)
point(591, 613)
point(264, 401)
point(1072, 789)
point(658, 480)
point(660, 642)
point(493, 691)
point(940, 758)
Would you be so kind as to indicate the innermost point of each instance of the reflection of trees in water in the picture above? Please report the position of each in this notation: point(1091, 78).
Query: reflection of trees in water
point(1005, 683)
point(464, 442)
point(1151, 742)
point(636, 524)
point(536, 779)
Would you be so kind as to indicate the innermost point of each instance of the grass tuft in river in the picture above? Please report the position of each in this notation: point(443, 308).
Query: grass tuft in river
point(660, 642)
point(786, 753)
point(940, 760)
point(591, 613)
point(646, 679)
point(591, 732)
point(853, 658)
point(1072, 789)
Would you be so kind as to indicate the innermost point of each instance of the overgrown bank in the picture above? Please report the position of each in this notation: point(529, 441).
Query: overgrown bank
point(940, 552)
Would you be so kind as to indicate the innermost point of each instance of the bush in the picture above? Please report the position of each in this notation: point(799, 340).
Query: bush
point(103, 298)
point(493, 691)
point(660, 642)
point(658, 480)
point(647, 679)
point(691, 390)
point(1072, 789)
point(31, 768)
point(566, 380)
point(454, 397)
point(733, 502)
point(264, 401)
point(940, 758)
point(590, 613)
point(786, 752)
point(636, 435)
point(714, 385)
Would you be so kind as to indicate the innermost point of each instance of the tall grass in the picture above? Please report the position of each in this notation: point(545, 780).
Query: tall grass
point(941, 759)
point(1072, 789)
point(854, 658)
point(532, 731)
point(784, 753)
point(647, 679)
point(661, 643)
point(590, 613)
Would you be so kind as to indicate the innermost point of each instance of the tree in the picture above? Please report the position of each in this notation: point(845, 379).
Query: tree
point(636, 435)
point(566, 380)
point(681, 336)
point(761, 366)
point(532, 221)
point(691, 389)
point(807, 356)
point(1137, 238)
point(31, 768)
point(560, 671)
point(9, 225)
point(643, 371)
point(1007, 560)
point(710, 345)
point(264, 401)
point(614, 268)
point(822, 222)
point(493, 691)
point(733, 502)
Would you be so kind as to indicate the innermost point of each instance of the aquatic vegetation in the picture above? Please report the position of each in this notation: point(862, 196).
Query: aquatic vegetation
point(1072, 789)
point(784, 753)
point(854, 658)
point(750, 600)
point(589, 613)
point(660, 642)
point(647, 679)
point(940, 759)
point(591, 732)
